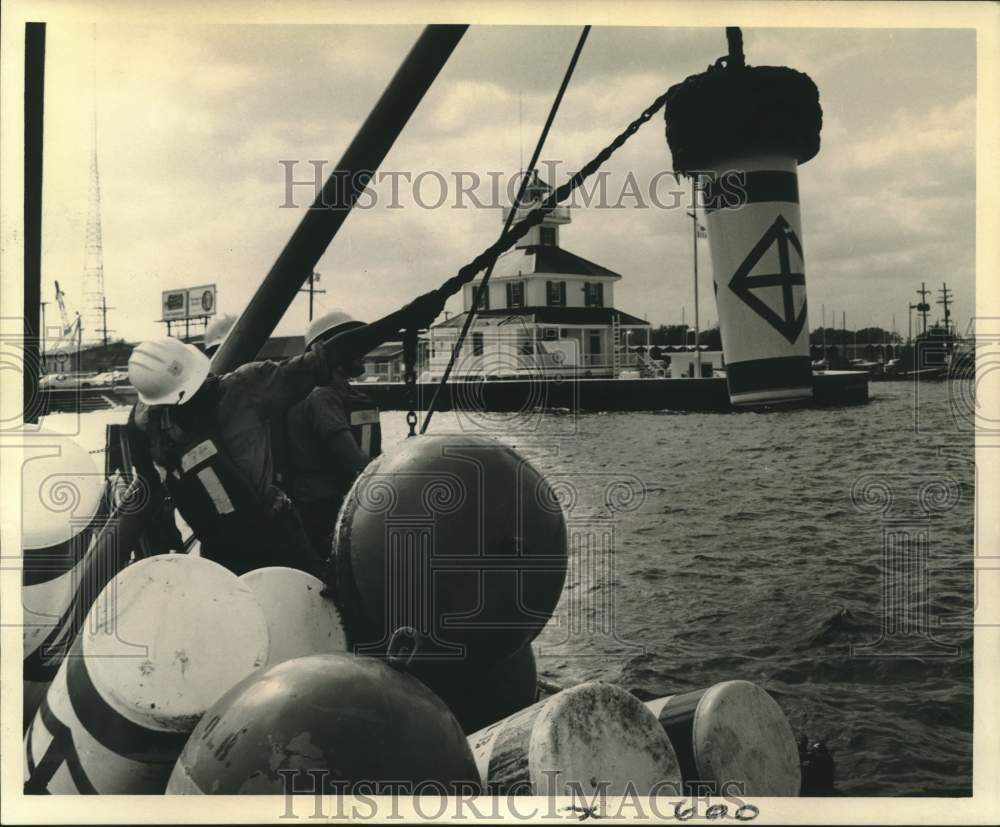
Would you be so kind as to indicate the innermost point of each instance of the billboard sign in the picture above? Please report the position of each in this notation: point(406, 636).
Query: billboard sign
point(201, 301)
point(175, 304)
point(189, 303)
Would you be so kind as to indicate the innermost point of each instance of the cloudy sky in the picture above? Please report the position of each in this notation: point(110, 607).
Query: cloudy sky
point(193, 122)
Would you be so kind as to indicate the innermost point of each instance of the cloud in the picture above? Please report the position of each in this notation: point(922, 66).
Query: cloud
point(194, 120)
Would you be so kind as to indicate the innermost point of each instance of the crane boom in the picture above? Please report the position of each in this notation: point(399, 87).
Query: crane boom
point(60, 300)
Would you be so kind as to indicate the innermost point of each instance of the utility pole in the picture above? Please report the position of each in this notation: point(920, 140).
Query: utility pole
point(41, 349)
point(947, 297)
point(843, 330)
point(311, 290)
point(104, 320)
point(823, 357)
point(694, 243)
point(923, 307)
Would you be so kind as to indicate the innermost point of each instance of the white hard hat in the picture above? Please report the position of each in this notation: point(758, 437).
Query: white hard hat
point(167, 371)
point(329, 325)
point(217, 330)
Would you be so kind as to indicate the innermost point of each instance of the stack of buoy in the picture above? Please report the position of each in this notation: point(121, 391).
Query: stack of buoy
point(187, 679)
point(62, 494)
point(163, 641)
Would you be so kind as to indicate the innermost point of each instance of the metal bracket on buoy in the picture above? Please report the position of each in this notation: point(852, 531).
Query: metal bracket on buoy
point(403, 646)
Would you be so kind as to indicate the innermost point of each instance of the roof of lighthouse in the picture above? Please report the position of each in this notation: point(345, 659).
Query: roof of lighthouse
point(542, 258)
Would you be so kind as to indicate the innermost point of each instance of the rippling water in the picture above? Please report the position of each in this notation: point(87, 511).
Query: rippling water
point(756, 552)
point(753, 546)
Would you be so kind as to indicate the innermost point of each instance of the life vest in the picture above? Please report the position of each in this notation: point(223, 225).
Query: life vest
point(366, 427)
point(211, 492)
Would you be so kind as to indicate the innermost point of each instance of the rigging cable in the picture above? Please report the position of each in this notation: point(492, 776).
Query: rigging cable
point(478, 294)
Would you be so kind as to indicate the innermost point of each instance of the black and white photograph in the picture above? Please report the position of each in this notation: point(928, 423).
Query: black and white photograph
point(529, 412)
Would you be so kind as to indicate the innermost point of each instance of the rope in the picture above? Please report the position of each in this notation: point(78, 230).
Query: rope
point(478, 294)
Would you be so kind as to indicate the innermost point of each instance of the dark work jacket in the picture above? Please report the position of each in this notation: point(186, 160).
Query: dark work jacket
point(270, 532)
point(329, 410)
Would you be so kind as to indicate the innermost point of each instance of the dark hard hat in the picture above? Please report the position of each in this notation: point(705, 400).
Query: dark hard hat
point(460, 538)
point(348, 720)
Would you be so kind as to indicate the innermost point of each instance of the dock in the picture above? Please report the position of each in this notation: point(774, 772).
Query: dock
point(830, 389)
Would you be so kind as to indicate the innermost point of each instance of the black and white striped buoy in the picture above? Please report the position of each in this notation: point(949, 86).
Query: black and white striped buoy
point(163, 641)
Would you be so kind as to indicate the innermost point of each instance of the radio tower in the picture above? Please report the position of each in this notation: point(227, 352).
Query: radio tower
point(94, 302)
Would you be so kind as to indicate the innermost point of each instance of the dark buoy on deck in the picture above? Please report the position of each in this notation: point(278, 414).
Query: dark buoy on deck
point(740, 132)
point(732, 733)
point(460, 539)
point(480, 696)
point(309, 724)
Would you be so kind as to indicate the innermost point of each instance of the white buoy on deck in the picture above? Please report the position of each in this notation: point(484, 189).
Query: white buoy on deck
point(592, 737)
point(60, 498)
point(164, 640)
point(300, 621)
point(733, 733)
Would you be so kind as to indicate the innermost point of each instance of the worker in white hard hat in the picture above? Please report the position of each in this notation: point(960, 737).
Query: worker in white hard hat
point(330, 436)
point(216, 331)
point(211, 438)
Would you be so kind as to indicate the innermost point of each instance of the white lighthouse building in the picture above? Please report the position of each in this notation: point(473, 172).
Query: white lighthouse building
point(546, 311)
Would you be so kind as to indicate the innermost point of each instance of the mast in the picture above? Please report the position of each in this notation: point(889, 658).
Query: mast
point(34, 111)
point(320, 224)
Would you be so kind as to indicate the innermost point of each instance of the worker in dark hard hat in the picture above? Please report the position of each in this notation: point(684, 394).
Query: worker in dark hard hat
point(210, 436)
point(216, 331)
point(331, 435)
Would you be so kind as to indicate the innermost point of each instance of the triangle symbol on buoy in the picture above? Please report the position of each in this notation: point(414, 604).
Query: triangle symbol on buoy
point(772, 281)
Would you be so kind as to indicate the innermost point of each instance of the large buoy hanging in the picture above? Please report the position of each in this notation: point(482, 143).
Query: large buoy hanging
point(594, 736)
point(61, 496)
point(310, 724)
point(164, 640)
point(479, 697)
point(300, 620)
point(458, 538)
point(733, 733)
point(740, 132)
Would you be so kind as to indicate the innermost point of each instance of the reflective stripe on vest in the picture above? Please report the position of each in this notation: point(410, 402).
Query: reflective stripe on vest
point(366, 428)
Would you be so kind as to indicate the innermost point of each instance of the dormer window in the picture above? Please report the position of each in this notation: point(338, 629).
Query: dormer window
point(547, 236)
point(594, 294)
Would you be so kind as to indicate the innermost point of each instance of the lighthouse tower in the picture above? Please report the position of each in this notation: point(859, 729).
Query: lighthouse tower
point(547, 232)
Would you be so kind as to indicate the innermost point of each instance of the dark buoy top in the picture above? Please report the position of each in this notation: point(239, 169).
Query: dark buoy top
point(734, 109)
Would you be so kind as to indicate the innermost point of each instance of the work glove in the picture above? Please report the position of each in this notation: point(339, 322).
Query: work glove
point(423, 310)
